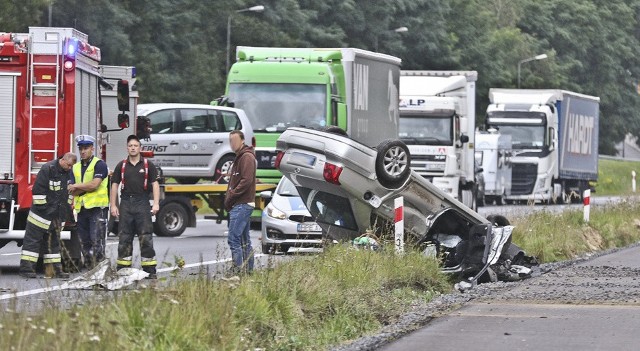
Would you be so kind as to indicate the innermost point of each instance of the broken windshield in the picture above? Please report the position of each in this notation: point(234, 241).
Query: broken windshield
point(426, 130)
point(272, 108)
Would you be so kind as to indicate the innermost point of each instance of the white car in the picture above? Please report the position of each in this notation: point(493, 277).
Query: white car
point(191, 141)
point(286, 222)
point(349, 188)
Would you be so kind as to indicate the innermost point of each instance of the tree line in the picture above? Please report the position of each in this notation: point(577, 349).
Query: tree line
point(179, 46)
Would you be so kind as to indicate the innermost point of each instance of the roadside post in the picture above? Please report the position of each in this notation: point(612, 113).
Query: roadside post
point(586, 198)
point(399, 224)
point(633, 181)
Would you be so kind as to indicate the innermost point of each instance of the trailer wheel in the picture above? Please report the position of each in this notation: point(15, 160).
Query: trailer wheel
point(171, 220)
point(393, 163)
point(187, 180)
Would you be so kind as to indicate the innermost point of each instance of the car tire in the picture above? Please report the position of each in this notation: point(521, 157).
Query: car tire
point(223, 166)
point(171, 220)
point(393, 163)
point(500, 200)
point(335, 130)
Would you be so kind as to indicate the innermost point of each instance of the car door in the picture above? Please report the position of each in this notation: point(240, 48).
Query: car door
point(162, 143)
point(198, 141)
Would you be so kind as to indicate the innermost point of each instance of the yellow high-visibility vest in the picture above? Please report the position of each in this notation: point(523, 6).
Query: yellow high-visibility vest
point(97, 198)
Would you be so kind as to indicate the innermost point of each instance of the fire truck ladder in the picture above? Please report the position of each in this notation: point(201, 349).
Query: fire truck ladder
point(44, 48)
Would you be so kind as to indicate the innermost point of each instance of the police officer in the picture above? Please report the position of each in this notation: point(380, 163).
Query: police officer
point(51, 206)
point(137, 177)
point(89, 186)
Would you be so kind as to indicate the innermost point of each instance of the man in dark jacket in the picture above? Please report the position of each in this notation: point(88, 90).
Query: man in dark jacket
point(51, 206)
point(240, 202)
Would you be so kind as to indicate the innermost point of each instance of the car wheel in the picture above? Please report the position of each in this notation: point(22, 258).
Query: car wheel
point(171, 220)
point(185, 180)
point(500, 200)
point(393, 163)
point(335, 130)
point(223, 167)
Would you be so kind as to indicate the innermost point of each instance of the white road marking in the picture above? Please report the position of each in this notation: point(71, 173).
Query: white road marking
point(205, 263)
point(10, 254)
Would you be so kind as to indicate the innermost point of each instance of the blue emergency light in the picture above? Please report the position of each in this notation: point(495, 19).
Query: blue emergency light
point(71, 47)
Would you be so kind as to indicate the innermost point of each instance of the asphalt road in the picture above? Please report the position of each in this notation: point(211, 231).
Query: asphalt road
point(593, 305)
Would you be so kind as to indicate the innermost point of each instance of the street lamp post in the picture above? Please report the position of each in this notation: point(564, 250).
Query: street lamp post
point(397, 30)
point(257, 8)
point(535, 58)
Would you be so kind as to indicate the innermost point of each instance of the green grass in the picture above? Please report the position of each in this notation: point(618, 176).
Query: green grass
point(308, 303)
point(556, 237)
point(614, 177)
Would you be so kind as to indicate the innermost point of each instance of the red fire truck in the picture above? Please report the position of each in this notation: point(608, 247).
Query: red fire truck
point(50, 83)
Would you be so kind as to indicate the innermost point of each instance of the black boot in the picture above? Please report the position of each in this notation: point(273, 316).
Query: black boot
point(59, 273)
point(27, 269)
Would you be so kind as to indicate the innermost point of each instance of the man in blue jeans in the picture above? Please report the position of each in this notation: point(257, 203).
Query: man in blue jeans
point(240, 201)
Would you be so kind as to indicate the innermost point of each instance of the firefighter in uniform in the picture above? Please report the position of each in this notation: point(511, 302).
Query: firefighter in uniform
point(51, 206)
point(136, 176)
point(89, 186)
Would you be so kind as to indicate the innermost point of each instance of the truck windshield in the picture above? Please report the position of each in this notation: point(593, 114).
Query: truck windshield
point(272, 108)
point(426, 130)
point(524, 136)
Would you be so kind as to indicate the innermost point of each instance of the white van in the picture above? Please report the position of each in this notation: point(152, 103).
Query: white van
point(191, 142)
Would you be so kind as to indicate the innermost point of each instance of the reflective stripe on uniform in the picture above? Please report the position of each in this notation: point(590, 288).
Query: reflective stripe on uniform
point(54, 185)
point(126, 261)
point(38, 221)
point(39, 199)
point(70, 200)
point(148, 261)
point(29, 256)
point(52, 258)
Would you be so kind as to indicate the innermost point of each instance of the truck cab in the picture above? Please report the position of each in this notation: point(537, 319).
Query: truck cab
point(437, 122)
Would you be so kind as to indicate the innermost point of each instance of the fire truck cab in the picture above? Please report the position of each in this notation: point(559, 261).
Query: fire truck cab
point(50, 87)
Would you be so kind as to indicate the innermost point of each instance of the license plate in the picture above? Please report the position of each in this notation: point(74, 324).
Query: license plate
point(302, 159)
point(309, 227)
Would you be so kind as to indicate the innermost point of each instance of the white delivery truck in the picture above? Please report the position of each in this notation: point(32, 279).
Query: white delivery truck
point(437, 122)
point(493, 154)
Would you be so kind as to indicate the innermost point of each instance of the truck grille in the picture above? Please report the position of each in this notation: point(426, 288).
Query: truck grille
point(523, 178)
point(428, 165)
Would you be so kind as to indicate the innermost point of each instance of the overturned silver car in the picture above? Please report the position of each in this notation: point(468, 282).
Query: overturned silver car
point(350, 188)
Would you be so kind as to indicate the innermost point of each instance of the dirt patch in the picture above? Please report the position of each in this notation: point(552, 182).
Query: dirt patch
point(592, 239)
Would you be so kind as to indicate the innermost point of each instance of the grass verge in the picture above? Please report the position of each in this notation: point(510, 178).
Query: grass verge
point(308, 303)
point(560, 236)
point(614, 176)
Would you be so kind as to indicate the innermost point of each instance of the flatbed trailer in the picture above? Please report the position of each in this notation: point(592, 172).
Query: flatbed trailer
point(179, 204)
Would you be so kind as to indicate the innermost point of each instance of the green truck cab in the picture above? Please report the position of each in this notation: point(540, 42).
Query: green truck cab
point(278, 88)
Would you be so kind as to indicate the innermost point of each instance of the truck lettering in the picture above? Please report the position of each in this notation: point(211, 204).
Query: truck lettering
point(154, 148)
point(361, 87)
point(580, 133)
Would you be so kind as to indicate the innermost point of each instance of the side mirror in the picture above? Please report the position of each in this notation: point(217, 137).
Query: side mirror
point(464, 138)
point(143, 128)
point(123, 95)
point(123, 120)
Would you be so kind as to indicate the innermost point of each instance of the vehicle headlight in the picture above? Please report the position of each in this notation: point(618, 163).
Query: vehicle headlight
point(541, 182)
point(274, 212)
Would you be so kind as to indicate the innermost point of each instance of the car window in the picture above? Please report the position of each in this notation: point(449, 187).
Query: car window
point(162, 122)
point(332, 209)
point(286, 188)
point(196, 121)
point(230, 121)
